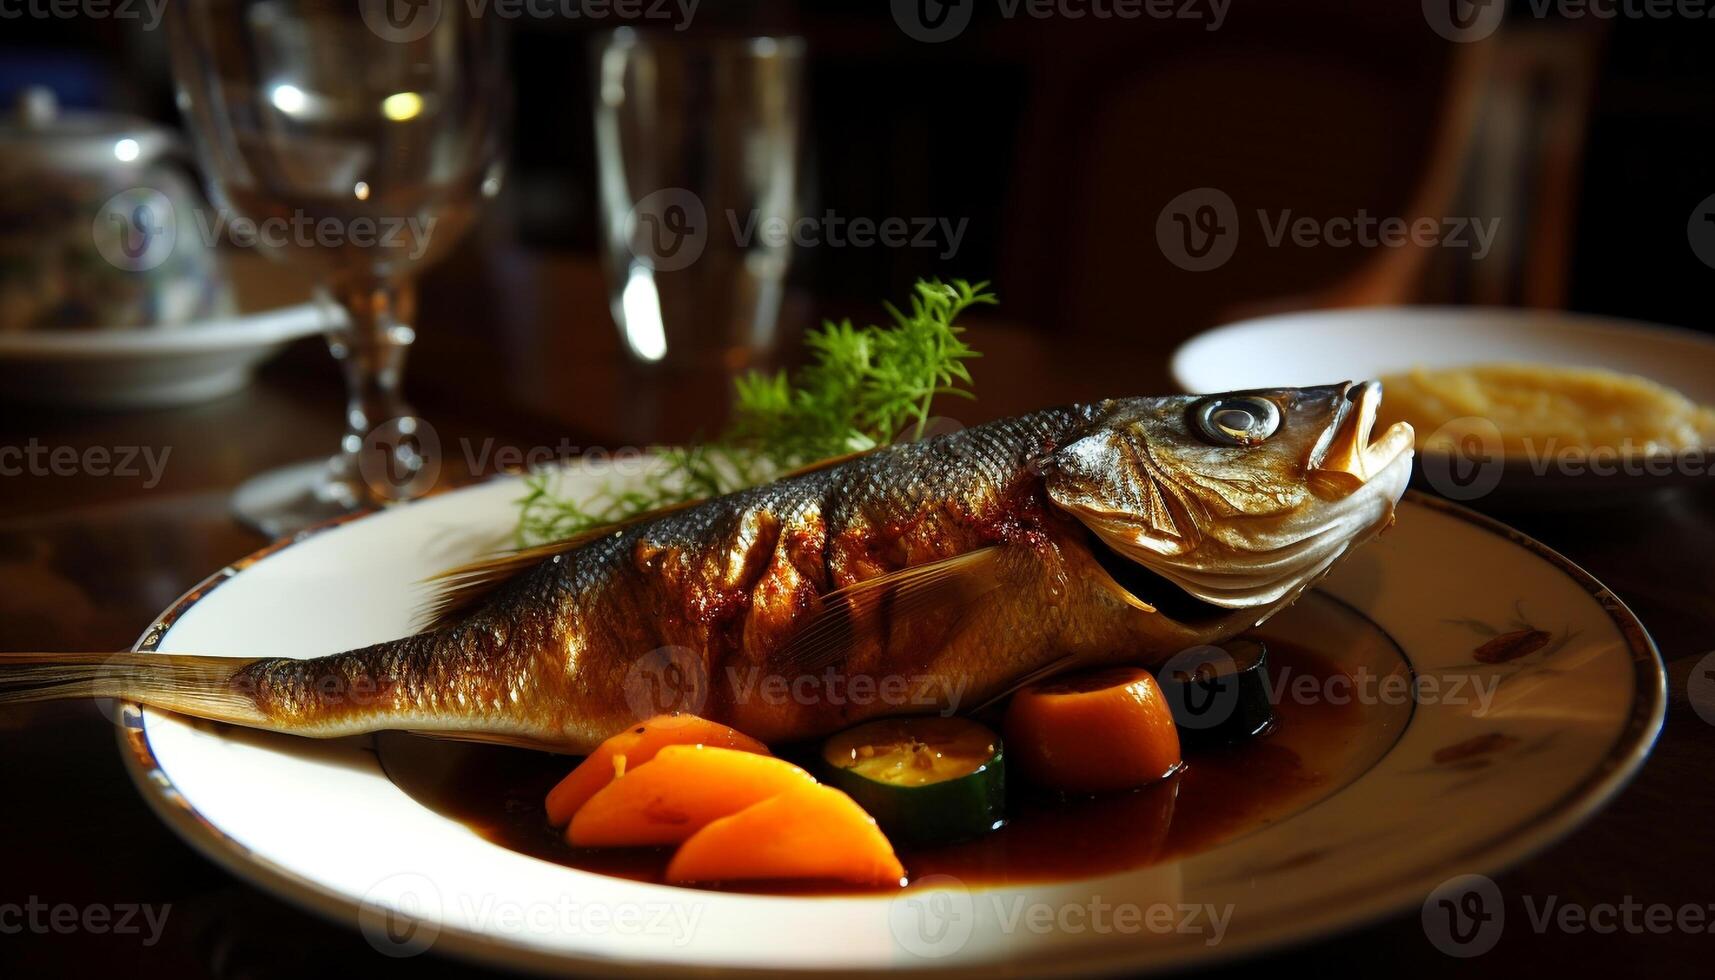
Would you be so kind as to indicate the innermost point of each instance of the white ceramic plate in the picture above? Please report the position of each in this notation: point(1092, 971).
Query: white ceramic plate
point(1433, 789)
point(1322, 346)
point(150, 368)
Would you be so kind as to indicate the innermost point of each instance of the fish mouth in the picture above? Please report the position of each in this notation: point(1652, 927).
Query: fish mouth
point(1267, 561)
point(1347, 457)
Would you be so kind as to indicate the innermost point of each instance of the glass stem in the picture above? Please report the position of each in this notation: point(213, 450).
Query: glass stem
point(371, 351)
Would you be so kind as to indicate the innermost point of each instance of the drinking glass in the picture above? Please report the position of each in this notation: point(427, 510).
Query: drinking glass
point(697, 164)
point(357, 139)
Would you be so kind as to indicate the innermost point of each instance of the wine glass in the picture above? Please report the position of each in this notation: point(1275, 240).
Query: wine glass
point(358, 141)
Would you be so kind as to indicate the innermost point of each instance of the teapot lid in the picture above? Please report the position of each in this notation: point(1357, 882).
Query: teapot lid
point(38, 133)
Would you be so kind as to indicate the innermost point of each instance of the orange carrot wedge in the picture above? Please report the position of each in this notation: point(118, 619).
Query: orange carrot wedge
point(813, 832)
point(632, 748)
point(677, 793)
point(1093, 732)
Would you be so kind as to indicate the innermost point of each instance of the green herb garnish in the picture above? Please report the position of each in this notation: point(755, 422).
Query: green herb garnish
point(863, 387)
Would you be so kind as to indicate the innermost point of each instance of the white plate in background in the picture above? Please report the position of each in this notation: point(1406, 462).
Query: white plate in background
point(1323, 346)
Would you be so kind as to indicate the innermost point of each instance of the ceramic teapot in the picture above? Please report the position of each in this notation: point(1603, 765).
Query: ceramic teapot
point(99, 224)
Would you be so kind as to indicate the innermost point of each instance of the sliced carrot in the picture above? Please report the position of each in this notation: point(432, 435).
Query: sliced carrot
point(632, 748)
point(677, 793)
point(1093, 732)
point(813, 832)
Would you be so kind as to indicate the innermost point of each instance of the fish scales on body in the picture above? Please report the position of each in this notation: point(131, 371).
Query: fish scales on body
point(733, 581)
point(1118, 531)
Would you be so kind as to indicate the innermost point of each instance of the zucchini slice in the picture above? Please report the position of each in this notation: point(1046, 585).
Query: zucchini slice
point(1219, 694)
point(926, 780)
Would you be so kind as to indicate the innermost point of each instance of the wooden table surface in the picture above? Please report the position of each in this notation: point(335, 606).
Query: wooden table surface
point(524, 356)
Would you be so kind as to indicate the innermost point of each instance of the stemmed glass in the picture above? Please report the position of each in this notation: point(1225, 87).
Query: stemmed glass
point(356, 140)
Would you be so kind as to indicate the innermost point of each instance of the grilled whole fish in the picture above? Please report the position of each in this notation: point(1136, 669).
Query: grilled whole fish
point(925, 576)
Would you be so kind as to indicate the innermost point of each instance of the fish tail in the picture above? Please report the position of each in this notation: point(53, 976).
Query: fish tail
point(200, 686)
point(455, 683)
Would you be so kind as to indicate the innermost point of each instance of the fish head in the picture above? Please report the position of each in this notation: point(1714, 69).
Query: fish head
point(1240, 500)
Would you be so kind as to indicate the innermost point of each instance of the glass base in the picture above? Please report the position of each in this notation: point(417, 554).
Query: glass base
point(287, 500)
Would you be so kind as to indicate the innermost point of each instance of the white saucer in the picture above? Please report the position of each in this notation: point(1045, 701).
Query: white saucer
point(150, 368)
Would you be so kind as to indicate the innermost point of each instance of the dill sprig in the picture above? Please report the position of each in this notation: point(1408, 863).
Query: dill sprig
point(862, 387)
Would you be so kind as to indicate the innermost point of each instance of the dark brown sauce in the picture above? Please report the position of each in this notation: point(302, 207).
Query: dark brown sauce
point(1221, 793)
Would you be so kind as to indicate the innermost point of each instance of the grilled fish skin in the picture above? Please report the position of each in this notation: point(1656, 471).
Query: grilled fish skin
point(923, 576)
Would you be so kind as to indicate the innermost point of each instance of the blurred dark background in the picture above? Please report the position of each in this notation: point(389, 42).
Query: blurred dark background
point(1060, 140)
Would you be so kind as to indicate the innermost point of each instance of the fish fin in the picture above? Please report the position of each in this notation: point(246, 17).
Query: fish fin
point(1054, 667)
point(848, 616)
point(1105, 579)
point(199, 686)
point(462, 589)
point(458, 591)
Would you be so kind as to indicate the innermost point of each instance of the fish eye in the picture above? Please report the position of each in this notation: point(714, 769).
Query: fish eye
point(1237, 420)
